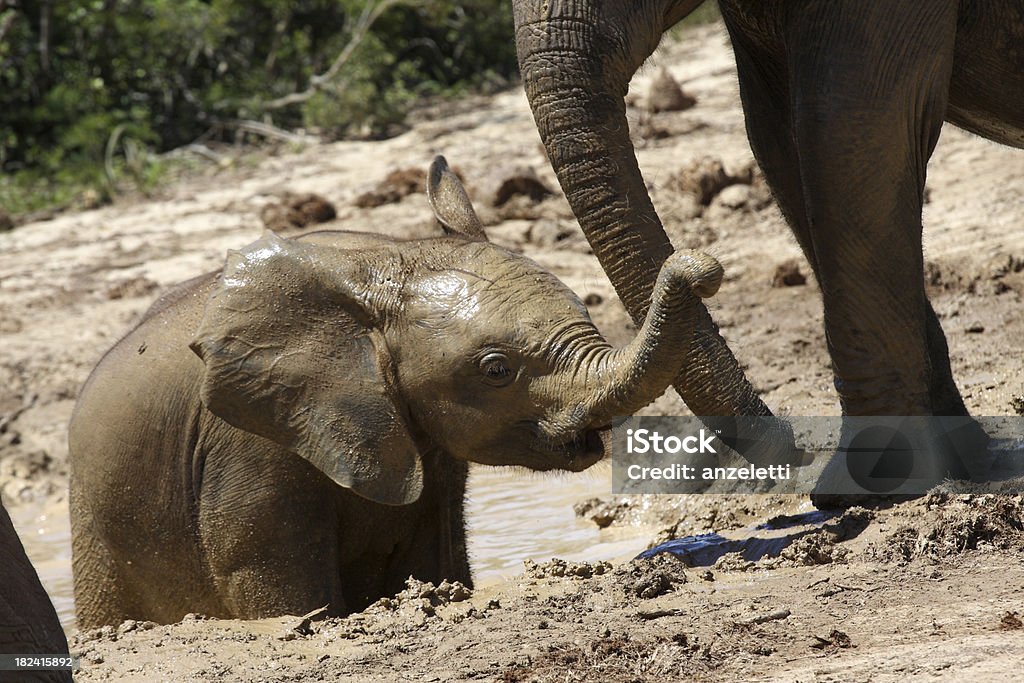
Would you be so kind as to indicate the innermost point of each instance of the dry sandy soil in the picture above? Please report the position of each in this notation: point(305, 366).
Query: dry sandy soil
point(930, 589)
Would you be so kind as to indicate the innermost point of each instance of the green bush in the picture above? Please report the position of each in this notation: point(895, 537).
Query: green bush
point(161, 73)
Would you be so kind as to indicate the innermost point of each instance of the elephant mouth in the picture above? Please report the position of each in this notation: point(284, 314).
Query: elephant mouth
point(589, 447)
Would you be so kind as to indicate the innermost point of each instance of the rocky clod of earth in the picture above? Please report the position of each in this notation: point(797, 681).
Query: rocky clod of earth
point(425, 595)
point(788, 274)
point(397, 184)
point(601, 512)
point(651, 577)
point(507, 182)
point(706, 177)
point(296, 211)
point(516, 192)
point(664, 94)
point(955, 523)
point(1017, 403)
point(511, 181)
point(822, 546)
point(558, 568)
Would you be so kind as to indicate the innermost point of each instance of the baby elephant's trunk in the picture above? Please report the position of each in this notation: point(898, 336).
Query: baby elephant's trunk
point(631, 377)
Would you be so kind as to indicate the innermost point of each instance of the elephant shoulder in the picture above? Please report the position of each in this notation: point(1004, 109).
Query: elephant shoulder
point(195, 287)
point(149, 374)
point(346, 239)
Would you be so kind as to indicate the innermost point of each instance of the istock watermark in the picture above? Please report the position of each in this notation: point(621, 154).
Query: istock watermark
point(832, 455)
point(647, 441)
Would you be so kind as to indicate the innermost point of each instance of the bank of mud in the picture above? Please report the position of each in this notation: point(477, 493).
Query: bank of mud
point(929, 589)
point(926, 589)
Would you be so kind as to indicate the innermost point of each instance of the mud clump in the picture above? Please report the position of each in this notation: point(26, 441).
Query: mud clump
point(558, 568)
point(788, 274)
point(902, 545)
point(511, 181)
point(813, 549)
point(1017, 403)
point(602, 512)
point(614, 659)
point(733, 562)
point(131, 288)
point(956, 274)
point(851, 523)
point(651, 577)
point(706, 177)
point(1011, 621)
point(396, 185)
point(665, 94)
point(969, 522)
point(836, 640)
point(514, 193)
point(425, 596)
point(822, 546)
point(957, 523)
point(296, 211)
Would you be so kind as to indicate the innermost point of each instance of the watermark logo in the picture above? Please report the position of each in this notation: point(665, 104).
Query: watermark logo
point(879, 458)
point(815, 455)
point(641, 441)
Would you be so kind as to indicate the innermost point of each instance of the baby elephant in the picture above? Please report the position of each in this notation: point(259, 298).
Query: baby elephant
point(294, 431)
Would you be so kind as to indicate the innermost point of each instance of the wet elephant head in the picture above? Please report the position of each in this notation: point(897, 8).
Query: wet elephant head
point(359, 358)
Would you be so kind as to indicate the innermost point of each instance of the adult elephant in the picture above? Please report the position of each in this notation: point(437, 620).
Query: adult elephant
point(844, 101)
point(28, 622)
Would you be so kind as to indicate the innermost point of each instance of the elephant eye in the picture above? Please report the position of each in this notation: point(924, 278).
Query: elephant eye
point(496, 369)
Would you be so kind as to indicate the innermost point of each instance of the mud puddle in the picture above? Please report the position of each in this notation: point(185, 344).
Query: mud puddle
point(512, 515)
point(46, 534)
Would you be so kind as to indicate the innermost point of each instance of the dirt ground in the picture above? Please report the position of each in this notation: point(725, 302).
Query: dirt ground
point(930, 589)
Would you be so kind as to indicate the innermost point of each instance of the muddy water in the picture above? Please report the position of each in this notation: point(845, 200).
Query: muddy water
point(46, 534)
point(515, 515)
point(512, 515)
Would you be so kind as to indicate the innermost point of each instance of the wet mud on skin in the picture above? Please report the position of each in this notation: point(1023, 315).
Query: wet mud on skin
point(927, 589)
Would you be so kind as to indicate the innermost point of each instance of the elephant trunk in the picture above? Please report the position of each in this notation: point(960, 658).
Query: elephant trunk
point(576, 65)
point(631, 377)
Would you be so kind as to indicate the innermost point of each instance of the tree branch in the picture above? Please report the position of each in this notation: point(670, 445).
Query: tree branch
point(371, 12)
point(268, 131)
point(7, 20)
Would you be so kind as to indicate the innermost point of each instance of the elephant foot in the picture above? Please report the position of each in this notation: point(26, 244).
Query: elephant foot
point(882, 461)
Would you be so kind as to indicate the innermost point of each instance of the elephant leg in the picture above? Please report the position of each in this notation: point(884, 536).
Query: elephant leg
point(257, 574)
point(945, 396)
point(436, 548)
point(850, 182)
point(101, 595)
point(764, 92)
point(869, 85)
point(269, 530)
point(765, 87)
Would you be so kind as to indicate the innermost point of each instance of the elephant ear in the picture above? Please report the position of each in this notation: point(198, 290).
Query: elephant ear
point(291, 353)
point(450, 203)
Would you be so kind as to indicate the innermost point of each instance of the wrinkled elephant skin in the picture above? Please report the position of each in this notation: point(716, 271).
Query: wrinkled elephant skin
point(294, 431)
point(844, 102)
